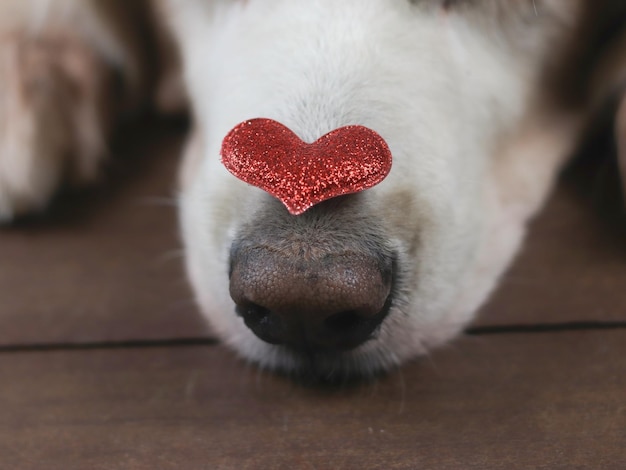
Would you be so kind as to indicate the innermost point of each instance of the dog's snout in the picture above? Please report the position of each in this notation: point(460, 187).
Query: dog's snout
point(331, 303)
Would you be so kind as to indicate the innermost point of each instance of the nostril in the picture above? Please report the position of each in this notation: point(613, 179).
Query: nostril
point(253, 312)
point(343, 321)
point(262, 322)
point(348, 329)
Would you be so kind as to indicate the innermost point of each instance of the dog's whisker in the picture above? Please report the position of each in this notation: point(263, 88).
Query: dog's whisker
point(176, 254)
point(159, 201)
point(518, 280)
point(183, 304)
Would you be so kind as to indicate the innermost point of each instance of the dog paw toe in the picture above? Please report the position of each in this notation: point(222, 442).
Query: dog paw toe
point(51, 119)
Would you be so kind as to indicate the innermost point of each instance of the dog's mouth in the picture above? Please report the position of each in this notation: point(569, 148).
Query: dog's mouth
point(342, 363)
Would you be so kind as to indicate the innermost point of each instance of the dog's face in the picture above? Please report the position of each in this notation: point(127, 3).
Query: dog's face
point(361, 283)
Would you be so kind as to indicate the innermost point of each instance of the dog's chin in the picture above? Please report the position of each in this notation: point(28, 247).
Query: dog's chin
point(311, 367)
point(389, 348)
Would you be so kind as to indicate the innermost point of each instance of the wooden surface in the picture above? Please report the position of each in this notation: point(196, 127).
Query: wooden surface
point(103, 264)
point(106, 364)
point(547, 401)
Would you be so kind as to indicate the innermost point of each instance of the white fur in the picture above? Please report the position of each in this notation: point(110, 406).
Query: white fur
point(450, 96)
point(456, 91)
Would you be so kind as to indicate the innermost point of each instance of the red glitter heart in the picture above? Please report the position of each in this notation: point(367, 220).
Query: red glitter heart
point(268, 155)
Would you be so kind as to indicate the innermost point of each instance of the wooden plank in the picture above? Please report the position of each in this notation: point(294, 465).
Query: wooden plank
point(104, 264)
point(541, 401)
point(572, 268)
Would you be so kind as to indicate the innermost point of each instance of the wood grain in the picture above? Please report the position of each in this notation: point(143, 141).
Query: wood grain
point(549, 401)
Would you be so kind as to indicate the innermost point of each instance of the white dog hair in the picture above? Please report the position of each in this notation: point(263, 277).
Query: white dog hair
point(462, 91)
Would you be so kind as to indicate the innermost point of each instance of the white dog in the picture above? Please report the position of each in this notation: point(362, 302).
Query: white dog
point(479, 101)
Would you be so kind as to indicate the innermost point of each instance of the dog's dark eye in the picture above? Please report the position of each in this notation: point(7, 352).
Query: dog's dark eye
point(447, 4)
point(443, 4)
point(489, 4)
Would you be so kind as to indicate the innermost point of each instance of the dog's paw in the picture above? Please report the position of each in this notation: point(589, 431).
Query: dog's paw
point(52, 118)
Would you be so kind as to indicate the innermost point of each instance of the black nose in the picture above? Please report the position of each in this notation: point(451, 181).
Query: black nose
point(334, 302)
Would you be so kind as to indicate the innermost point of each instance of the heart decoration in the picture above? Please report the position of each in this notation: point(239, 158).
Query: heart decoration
point(266, 154)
